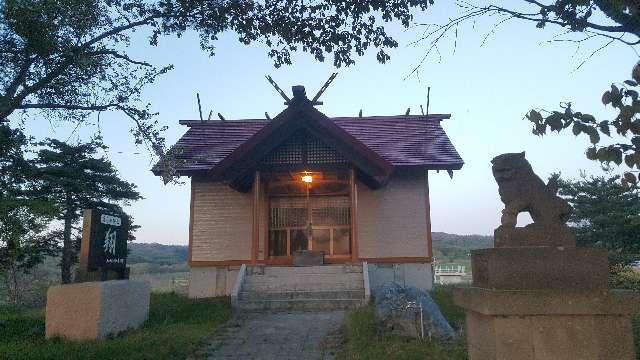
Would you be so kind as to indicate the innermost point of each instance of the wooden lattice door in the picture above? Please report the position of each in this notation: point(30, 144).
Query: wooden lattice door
point(313, 216)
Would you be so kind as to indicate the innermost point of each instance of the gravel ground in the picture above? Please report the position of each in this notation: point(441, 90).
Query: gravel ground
point(273, 335)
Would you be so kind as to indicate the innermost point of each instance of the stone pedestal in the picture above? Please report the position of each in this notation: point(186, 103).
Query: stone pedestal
point(538, 268)
point(94, 310)
point(546, 303)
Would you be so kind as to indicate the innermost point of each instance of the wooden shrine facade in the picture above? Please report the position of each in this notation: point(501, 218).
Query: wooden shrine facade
point(355, 188)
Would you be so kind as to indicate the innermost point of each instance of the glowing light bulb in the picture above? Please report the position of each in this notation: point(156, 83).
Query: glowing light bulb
point(307, 179)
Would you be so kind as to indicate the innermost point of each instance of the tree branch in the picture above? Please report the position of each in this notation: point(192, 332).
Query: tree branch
point(11, 103)
point(20, 78)
point(119, 29)
point(53, 106)
point(119, 56)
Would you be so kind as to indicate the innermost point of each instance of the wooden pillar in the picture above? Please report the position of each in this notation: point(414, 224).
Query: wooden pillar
point(428, 213)
point(83, 267)
point(354, 215)
point(255, 230)
point(191, 214)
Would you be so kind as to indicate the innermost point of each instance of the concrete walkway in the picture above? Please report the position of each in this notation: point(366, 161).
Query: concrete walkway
point(273, 335)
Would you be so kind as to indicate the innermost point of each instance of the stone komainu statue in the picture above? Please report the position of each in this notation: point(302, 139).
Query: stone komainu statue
point(522, 190)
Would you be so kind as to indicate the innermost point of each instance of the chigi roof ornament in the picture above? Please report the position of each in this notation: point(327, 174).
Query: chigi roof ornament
point(299, 92)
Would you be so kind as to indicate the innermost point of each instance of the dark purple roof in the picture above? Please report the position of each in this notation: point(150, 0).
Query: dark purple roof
point(404, 140)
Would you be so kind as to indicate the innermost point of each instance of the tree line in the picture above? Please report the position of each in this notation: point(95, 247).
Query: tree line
point(44, 186)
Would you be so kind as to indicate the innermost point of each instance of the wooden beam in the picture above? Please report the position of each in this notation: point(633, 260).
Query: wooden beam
point(218, 263)
point(354, 214)
point(428, 213)
point(288, 260)
point(190, 254)
point(265, 231)
point(397, 260)
point(255, 231)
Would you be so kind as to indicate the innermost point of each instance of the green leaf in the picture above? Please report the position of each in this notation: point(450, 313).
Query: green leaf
point(636, 142)
point(630, 178)
point(616, 156)
point(594, 137)
point(587, 118)
point(591, 153)
point(577, 129)
point(635, 73)
point(630, 160)
point(631, 83)
point(633, 94)
point(555, 121)
point(606, 97)
point(534, 116)
point(604, 128)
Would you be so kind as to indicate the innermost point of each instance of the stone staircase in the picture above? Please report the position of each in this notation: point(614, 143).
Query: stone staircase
point(326, 287)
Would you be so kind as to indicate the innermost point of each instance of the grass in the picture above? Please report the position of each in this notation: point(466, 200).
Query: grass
point(443, 296)
point(175, 325)
point(363, 340)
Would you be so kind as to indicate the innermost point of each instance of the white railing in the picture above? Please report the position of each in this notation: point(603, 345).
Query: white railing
point(450, 270)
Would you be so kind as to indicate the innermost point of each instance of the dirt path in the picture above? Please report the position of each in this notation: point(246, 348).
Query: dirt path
point(283, 335)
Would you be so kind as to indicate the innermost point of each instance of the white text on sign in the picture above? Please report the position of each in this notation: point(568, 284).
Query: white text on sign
point(110, 220)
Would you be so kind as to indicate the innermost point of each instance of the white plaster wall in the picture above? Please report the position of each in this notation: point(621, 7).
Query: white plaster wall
point(221, 222)
point(392, 221)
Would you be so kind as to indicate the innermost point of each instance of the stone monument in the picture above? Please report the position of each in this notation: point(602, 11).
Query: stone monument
point(536, 295)
point(93, 309)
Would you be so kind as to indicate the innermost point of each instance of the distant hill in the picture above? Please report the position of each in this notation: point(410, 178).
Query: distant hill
point(157, 254)
point(455, 248)
point(446, 247)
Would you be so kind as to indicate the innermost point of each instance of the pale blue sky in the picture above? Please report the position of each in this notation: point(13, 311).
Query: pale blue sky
point(487, 89)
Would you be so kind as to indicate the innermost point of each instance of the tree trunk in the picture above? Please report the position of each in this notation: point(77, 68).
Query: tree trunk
point(67, 244)
point(14, 290)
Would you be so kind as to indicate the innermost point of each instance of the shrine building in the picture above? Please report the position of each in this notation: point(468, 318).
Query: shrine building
point(347, 190)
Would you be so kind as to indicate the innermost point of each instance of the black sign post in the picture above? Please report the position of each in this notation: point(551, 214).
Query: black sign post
point(103, 250)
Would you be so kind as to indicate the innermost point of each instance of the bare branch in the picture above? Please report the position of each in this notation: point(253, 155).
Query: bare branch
point(434, 33)
point(53, 106)
point(119, 56)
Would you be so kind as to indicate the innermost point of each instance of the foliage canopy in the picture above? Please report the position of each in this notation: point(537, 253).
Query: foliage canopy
point(70, 58)
point(606, 214)
point(75, 179)
point(24, 212)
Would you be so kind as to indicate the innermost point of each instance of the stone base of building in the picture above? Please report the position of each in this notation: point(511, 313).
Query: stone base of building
point(94, 310)
point(548, 324)
point(207, 282)
point(418, 275)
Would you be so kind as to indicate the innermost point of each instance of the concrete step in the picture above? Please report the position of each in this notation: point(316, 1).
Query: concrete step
point(300, 295)
point(303, 304)
point(305, 270)
point(272, 286)
point(345, 279)
point(307, 278)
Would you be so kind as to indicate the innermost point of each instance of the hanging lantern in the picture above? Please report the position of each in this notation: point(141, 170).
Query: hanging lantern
point(306, 178)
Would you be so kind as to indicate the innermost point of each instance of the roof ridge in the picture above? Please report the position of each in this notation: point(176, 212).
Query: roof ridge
point(220, 122)
point(418, 116)
point(190, 123)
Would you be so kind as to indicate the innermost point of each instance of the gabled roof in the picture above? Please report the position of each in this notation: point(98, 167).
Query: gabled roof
point(377, 144)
